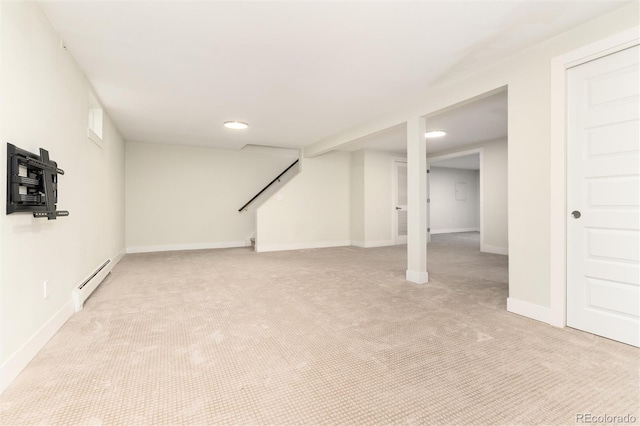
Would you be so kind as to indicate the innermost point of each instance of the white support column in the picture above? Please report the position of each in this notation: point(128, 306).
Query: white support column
point(417, 201)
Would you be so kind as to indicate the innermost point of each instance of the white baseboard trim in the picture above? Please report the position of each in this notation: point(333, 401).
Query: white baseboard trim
point(380, 243)
point(192, 246)
point(417, 277)
point(117, 258)
point(300, 246)
point(486, 248)
point(11, 368)
point(454, 230)
point(371, 244)
point(529, 310)
point(23, 356)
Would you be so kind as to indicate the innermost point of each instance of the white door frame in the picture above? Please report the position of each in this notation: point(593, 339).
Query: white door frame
point(394, 195)
point(480, 152)
point(428, 202)
point(558, 162)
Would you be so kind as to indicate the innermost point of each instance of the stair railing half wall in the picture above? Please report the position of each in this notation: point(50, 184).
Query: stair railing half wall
point(277, 179)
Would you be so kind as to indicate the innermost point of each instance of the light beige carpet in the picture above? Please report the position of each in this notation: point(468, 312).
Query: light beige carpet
point(325, 336)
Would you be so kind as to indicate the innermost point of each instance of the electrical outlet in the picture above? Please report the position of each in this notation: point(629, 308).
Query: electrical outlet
point(45, 289)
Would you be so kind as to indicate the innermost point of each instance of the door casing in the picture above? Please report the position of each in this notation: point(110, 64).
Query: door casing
point(397, 240)
point(558, 162)
point(602, 281)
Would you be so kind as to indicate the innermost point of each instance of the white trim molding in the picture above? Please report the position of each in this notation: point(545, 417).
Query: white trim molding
point(118, 257)
point(23, 356)
point(379, 243)
point(529, 310)
point(11, 368)
point(191, 246)
point(558, 161)
point(455, 154)
point(372, 244)
point(417, 277)
point(487, 248)
point(301, 246)
point(397, 240)
point(454, 230)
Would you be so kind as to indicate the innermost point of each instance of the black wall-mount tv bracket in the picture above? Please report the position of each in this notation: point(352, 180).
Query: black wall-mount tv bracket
point(34, 189)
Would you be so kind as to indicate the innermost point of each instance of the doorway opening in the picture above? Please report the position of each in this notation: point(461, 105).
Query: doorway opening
point(454, 199)
point(467, 171)
point(399, 203)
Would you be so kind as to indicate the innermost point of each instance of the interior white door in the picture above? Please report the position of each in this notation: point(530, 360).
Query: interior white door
point(400, 202)
point(428, 205)
point(603, 197)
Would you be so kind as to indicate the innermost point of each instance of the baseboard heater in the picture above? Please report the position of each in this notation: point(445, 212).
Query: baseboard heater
point(84, 290)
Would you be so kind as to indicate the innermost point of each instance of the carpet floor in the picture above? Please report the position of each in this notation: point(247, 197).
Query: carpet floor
point(323, 336)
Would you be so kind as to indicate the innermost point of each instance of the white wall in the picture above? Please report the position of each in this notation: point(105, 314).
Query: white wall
point(378, 198)
point(181, 197)
point(449, 213)
point(45, 101)
point(495, 197)
point(371, 202)
point(371, 198)
point(313, 209)
point(357, 198)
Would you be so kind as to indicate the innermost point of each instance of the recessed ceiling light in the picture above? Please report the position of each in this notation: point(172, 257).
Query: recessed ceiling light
point(435, 134)
point(235, 125)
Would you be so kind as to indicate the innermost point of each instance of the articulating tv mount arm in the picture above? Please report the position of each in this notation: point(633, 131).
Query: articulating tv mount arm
point(37, 192)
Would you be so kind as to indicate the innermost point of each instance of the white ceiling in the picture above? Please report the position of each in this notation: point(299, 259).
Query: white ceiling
point(478, 121)
point(297, 72)
point(482, 120)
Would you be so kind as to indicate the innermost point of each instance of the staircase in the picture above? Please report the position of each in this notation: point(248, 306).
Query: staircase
point(279, 178)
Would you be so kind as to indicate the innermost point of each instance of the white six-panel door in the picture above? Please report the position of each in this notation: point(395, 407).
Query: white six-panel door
point(603, 197)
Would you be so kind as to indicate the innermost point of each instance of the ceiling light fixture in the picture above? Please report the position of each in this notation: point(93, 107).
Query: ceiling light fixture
point(435, 134)
point(235, 125)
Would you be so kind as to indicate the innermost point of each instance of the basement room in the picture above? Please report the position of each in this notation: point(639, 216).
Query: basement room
point(345, 212)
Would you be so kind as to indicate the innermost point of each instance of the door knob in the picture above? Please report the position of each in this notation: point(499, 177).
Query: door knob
point(576, 214)
point(398, 208)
